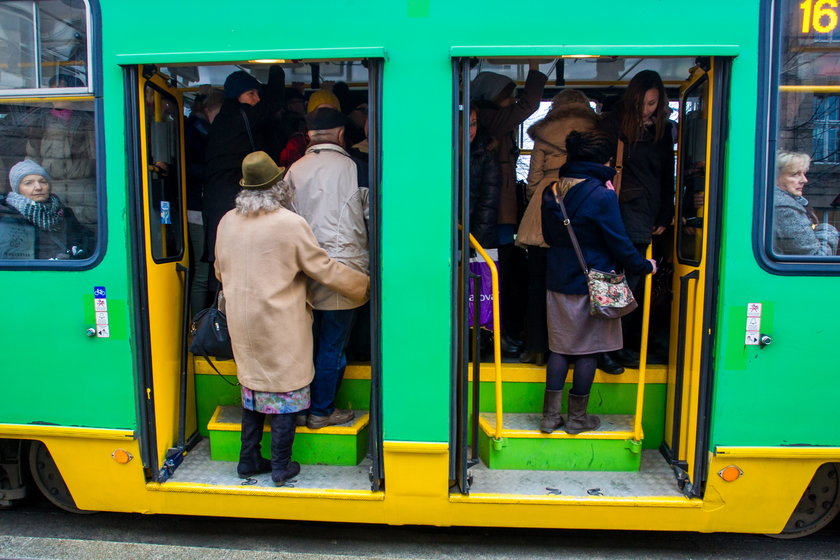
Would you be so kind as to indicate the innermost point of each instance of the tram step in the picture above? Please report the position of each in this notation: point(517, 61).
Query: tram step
point(335, 445)
point(524, 447)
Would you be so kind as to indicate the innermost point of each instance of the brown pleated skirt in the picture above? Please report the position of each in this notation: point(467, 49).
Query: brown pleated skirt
point(573, 331)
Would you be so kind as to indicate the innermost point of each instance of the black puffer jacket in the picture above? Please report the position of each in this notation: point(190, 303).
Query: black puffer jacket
point(647, 186)
point(485, 186)
point(227, 145)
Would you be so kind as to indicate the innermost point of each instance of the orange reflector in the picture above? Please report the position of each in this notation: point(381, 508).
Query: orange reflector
point(730, 473)
point(122, 456)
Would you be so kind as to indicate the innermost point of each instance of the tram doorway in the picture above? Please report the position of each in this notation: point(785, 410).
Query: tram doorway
point(654, 415)
point(190, 408)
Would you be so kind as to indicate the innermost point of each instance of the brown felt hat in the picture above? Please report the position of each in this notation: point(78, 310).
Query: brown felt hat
point(259, 171)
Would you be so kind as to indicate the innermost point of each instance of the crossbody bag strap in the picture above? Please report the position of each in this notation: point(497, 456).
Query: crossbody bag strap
point(568, 223)
point(248, 129)
point(619, 166)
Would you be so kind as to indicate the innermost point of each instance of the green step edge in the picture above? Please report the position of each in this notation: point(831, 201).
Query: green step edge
point(311, 447)
point(546, 454)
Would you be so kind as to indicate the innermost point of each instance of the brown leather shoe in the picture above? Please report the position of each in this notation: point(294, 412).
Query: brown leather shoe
point(337, 417)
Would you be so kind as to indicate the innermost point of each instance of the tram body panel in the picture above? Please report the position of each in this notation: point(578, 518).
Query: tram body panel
point(751, 387)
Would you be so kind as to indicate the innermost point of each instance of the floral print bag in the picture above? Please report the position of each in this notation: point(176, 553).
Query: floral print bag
point(609, 295)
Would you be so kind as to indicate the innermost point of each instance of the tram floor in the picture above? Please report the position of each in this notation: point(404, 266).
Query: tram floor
point(199, 468)
point(655, 478)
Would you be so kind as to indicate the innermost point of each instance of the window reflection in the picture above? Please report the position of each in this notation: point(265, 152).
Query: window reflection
point(806, 186)
point(53, 141)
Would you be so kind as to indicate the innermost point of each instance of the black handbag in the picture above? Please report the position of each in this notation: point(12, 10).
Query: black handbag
point(210, 335)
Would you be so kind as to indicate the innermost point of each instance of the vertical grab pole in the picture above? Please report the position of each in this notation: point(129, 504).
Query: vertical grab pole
point(640, 392)
point(497, 336)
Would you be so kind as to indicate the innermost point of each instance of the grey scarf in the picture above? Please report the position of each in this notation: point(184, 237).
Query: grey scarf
point(46, 216)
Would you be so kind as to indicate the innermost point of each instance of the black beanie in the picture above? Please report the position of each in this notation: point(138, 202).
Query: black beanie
point(239, 82)
point(325, 118)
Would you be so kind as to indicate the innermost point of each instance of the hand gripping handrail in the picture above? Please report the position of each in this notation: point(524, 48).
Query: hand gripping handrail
point(640, 392)
point(497, 337)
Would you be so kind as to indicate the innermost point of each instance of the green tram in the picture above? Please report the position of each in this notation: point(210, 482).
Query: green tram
point(103, 409)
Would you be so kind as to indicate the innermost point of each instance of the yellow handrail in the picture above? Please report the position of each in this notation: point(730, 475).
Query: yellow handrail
point(497, 337)
point(640, 392)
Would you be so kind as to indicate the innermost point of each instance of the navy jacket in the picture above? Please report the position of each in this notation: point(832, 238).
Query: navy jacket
point(593, 210)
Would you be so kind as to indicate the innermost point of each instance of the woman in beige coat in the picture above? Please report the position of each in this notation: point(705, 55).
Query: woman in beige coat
point(570, 111)
point(264, 255)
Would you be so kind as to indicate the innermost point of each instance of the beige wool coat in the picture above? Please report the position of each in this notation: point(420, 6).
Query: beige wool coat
point(264, 261)
point(547, 157)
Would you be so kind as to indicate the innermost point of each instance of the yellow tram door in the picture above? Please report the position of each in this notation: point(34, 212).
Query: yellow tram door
point(696, 133)
point(169, 390)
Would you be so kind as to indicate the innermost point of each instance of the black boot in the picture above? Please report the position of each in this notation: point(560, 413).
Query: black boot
point(627, 358)
point(282, 438)
point(251, 461)
point(608, 365)
point(578, 420)
point(551, 419)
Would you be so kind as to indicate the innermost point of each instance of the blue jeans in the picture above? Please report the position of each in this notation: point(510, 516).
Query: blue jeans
point(331, 333)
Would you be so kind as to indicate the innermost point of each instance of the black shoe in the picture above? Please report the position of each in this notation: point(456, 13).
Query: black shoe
point(280, 477)
point(246, 470)
point(511, 347)
point(608, 365)
point(529, 357)
point(627, 358)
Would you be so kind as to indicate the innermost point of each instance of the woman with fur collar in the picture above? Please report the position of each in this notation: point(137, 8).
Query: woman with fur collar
point(570, 111)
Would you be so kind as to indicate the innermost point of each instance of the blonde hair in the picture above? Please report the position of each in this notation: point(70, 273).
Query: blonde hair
point(787, 160)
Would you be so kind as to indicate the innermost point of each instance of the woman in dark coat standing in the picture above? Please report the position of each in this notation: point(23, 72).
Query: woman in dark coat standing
point(235, 133)
point(499, 115)
point(646, 198)
point(485, 182)
point(573, 334)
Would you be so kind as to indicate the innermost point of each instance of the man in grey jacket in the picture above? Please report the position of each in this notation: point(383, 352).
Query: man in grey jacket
point(329, 197)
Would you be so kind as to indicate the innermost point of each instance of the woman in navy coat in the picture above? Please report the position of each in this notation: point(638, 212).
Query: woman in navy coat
point(574, 335)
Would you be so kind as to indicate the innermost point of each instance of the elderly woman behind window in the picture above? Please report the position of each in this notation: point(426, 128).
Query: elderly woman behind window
point(796, 229)
point(265, 256)
point(34, 224)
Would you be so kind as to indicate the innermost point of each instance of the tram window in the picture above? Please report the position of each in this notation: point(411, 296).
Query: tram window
point(54, 139)
point(803, 196)
point(165, 208)
point(692, 177)
point(41, 41)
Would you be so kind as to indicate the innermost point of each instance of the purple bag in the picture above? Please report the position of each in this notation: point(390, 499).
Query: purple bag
point(485, 310)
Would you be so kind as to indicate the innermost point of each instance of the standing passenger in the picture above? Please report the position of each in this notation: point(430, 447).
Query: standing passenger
point(573, 334)
point(327, 193)
point(646, 199)
point(570, 111)
point(264, 253)
point(499, 115)
point(235, 133)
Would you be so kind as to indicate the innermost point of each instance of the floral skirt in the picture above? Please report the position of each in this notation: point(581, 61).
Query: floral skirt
point(573, 331)
point(275, 403)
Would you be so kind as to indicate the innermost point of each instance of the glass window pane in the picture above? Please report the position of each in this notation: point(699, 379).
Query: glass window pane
point(59, 56)
point(17, 45)
point(63, 34)
point(806, 186)
point(55, 218)
point(164, 177)
point(692, 179)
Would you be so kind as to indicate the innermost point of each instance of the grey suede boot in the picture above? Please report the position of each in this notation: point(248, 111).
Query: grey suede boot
point(578, 420)
point(551, 419)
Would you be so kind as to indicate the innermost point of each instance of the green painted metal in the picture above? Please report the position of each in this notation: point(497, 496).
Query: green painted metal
point(606, 398)
point(308, 449)
point(544, 454)
point(417, 40)
point(212, 391)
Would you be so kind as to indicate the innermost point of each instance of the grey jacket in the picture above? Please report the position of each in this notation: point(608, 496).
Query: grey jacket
point(795, 232)
point(328, 196)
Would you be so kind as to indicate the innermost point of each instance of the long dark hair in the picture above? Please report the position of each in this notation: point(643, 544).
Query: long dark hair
point(630, 106)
